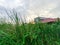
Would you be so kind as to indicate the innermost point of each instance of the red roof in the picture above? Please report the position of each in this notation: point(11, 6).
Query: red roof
point(48, 20)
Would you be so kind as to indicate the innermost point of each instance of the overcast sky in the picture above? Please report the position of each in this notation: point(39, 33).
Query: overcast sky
point(43, 8)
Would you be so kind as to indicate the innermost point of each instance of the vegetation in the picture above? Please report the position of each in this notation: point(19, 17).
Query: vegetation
point(29, 34)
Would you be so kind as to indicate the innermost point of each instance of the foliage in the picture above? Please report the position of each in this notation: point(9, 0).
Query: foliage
point(30, 34)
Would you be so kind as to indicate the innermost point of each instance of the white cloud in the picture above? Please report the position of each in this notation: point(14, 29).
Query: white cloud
point(11, 3)
point(44, 7)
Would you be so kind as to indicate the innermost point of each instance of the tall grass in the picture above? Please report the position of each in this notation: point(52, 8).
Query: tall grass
point(29, 34)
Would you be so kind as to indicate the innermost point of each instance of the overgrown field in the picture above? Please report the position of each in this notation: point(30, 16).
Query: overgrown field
point(30, 34)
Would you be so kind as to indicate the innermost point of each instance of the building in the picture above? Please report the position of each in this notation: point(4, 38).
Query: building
point(45, 20)
point(38, 19)
point(48, 20)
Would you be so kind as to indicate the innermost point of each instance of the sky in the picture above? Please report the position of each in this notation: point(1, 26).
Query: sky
point(10, 3)
point(45, 8)
point(34, 8)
